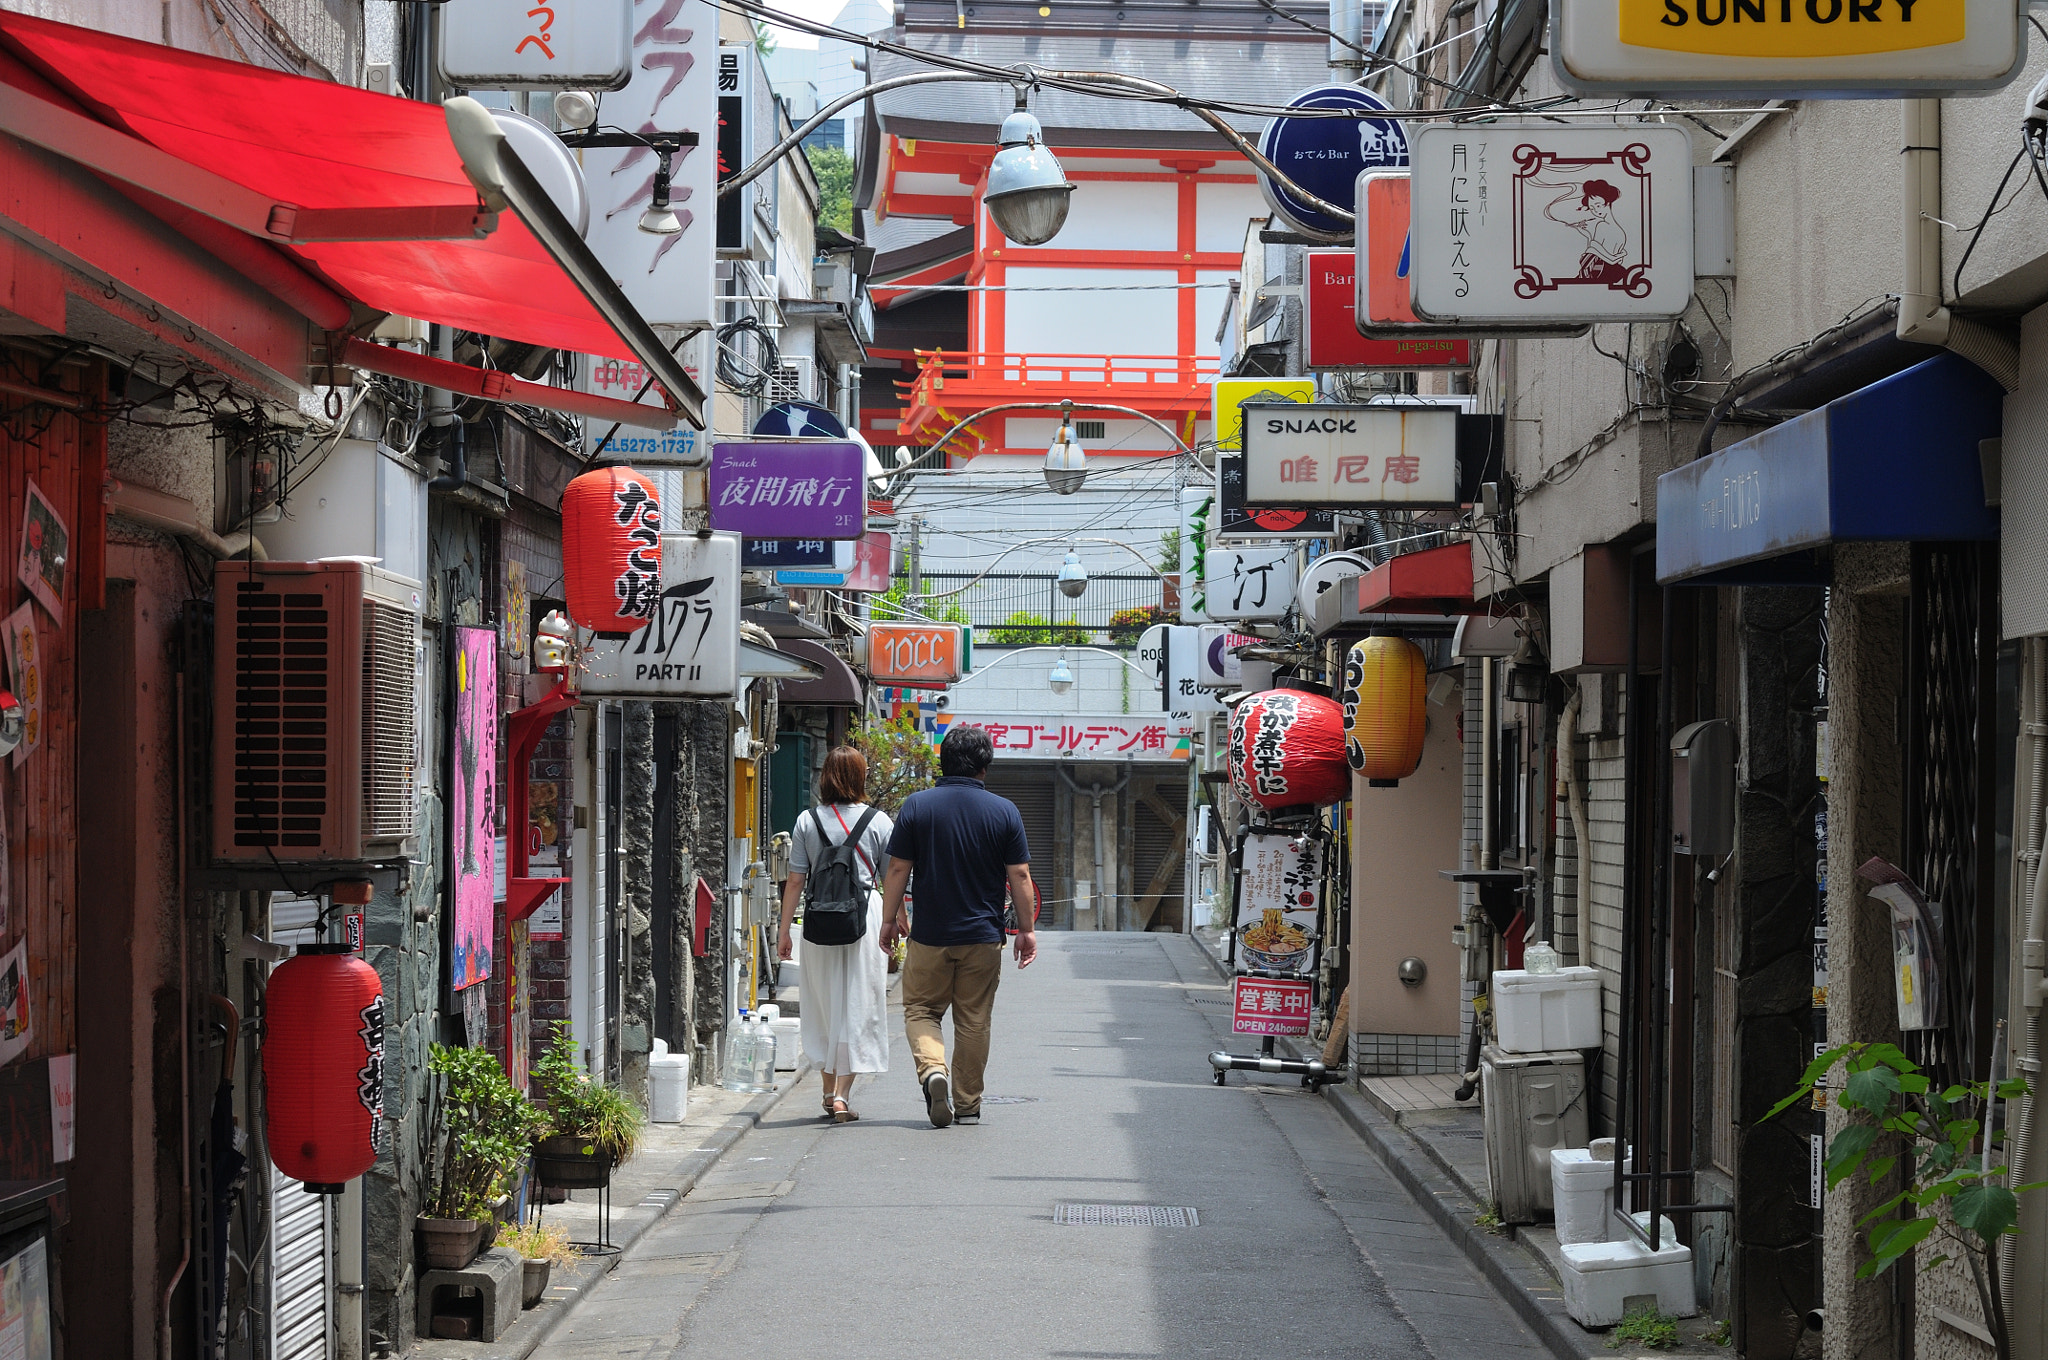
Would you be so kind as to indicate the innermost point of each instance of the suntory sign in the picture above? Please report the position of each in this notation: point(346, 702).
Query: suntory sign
point(1871, 48)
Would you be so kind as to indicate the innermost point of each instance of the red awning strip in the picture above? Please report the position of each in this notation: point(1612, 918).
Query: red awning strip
point(1435, 580)
point(317, 159)
point(495, 385)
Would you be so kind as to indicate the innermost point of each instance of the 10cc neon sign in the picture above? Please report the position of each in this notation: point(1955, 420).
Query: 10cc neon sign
point(914, 653)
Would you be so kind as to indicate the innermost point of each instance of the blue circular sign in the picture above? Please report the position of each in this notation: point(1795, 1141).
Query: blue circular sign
point(1326, 155)
point(803, 419)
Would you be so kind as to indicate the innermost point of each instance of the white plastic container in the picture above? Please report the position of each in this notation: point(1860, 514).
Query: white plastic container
point(742, 1039)
point(1581, 1188)
point(1544, 1012)
point(1605, 1281)
point(668, 1087)
point(789, 1042)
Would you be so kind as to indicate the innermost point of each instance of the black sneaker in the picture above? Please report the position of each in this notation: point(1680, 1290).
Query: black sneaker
point(938, 1099)
point(972, 1116)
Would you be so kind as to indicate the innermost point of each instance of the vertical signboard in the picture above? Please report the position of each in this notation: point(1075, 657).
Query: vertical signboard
point(691, 646)
point(471, 803)
point(733, 86)
point(1330, 297)
point(488, 45)
point(673, 89)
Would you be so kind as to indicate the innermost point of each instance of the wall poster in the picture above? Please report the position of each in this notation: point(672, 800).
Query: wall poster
point(15, 1020)
point(472, 803)
point(25, 670)
point(25, 1304)
point(45, 552)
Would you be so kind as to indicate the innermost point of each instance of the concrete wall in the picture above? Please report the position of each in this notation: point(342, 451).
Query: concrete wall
point(1012, 680)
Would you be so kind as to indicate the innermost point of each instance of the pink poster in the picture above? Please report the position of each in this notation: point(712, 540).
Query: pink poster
point(472, 801)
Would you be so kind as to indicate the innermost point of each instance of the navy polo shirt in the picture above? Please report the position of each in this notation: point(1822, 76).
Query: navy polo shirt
point(960, 840)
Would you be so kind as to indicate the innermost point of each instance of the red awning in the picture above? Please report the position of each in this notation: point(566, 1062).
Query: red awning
point(365, 191)
point(1433, 581)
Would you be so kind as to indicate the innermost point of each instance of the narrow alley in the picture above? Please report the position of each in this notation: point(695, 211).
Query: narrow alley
point(847, 1237)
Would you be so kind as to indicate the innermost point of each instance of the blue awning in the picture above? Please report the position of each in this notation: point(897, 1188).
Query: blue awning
point(1899, 460)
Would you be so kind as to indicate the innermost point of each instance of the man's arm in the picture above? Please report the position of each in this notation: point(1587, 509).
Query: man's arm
point(1025, 899)
point(895, 920)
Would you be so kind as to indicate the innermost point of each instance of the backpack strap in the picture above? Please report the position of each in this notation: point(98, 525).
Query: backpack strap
point(853, 838)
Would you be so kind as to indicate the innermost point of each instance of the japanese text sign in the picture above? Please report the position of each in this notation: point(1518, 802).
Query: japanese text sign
point(1233, 519)
point(1873, 48)
point(1351, 455)
point(1546, 223)
point(1255, 583)
point(914, 653)
point(735, 82)
point(1331, 298)
point(691, 644)
point(789, 488)
point(796, 554)
point(1323, 155)
point(1184, 690)
point(537, 44)
point(1269, 1006)
point(1072, 736)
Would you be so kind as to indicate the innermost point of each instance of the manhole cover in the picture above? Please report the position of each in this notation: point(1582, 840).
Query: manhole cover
point(1125, 1216)
point(1009, 1100)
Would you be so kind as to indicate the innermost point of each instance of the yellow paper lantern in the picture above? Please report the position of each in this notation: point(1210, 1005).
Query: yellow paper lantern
point(1385, 680)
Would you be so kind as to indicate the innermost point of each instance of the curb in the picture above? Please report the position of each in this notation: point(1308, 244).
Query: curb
point(737, 1125)
point(1514, 1271)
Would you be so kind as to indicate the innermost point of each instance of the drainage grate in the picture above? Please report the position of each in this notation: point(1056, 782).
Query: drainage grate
point(1125, 1216)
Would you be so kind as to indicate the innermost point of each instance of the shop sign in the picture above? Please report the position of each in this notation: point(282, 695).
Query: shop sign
point(673, 89)
point(1325, 155)
point(914, 653)
point(1185, 691)
point(789, 488)
point(1331, 299)
point(1252, 583)
point(1079, 736)
point(690, 648)
point(734, 85)
point(490, 45)
point(1269, 1006)
point(1218, 668)
point(474, 858)
point(796, 554)
point(868, 566)
point(1234, 519)
point(1351, 455)
point(1872, 49)
point(1535, 222)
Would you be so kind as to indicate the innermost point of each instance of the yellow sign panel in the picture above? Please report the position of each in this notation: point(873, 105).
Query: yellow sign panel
point(1227, 406)
point(1791, 28)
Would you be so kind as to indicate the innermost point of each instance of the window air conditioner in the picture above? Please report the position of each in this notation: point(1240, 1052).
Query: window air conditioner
point(315, 720)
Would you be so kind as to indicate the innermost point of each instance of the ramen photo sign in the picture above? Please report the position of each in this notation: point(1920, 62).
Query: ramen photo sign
point(1279, 900)
point(1518, 224)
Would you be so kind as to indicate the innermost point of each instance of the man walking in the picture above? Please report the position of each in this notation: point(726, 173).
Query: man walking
point(967, 846)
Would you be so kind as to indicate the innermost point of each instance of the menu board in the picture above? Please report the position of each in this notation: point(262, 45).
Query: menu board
point(1279, 901)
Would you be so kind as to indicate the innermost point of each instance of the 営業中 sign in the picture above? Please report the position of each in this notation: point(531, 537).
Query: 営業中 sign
point(1549, 223)
point(1330, 297)
point(1790, 48)
point(1325, 155)
point(1350, 455)
point(789, 488)
point(923, 654)
point(691, 645)
point(488, 45)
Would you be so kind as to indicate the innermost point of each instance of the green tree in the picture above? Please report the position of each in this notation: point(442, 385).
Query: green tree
point(900, 759)
point(834, 171)
point(1026, 629)
point(896, 603)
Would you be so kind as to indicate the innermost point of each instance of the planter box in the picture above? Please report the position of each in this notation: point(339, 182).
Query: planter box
point(534, 1281)
point(448, 1243)
point(561, 1163)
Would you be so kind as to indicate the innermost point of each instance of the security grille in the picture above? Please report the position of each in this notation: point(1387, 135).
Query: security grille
point(1030, 788)
point(390, 648)
point(1125, 1216)
point(282, 714)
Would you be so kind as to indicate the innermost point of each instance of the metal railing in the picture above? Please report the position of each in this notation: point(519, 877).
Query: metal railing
point(997, 598)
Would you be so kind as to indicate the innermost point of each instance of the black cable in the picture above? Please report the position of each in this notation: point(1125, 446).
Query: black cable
point(1991, 210)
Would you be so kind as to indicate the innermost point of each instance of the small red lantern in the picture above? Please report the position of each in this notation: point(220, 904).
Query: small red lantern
point(1287, 749)
point(323, 1066)
point(1385, 680)
point(611, 549)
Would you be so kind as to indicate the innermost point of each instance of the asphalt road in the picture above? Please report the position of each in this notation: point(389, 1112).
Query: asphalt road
point(889, 1237)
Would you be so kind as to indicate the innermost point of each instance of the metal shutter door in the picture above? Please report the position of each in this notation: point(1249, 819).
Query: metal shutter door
point(1160, 843)
point(1031, 790)
point(300, 1323)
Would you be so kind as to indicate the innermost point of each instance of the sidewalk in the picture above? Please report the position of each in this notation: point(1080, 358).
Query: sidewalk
point(1435, 1147)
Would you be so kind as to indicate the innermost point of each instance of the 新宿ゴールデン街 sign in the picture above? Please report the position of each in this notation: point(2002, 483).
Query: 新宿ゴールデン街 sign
point(1784, 47)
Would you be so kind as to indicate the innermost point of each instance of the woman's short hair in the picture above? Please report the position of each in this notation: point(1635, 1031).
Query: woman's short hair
point(966, 750)
point(845, 776)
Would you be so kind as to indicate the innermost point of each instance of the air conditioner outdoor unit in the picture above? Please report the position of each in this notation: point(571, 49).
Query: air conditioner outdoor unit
point(315, 725)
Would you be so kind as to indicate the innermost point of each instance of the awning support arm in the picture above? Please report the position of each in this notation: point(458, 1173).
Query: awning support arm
point(490, 384)
point(504, 181)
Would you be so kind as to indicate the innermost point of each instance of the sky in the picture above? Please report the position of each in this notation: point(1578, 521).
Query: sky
point(818, 11)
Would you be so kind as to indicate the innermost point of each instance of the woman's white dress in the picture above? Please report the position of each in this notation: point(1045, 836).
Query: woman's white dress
point(844, 989)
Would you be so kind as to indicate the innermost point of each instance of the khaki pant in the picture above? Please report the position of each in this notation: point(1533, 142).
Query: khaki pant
point(962, 977)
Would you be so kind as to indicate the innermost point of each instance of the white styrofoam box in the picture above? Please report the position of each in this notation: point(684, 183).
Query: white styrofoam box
point(1539, 1012)
point(1581, 1188)
point(1605, 1281)
point(789, 1043)
point(668, 1087)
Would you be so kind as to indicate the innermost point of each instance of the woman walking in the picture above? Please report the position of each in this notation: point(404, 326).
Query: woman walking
point(844, 992)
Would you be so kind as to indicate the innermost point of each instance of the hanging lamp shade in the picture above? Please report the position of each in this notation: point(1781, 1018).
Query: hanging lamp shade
point(1385, 680)
point(323, 1066)
point(611, 549)
point(1287, 749)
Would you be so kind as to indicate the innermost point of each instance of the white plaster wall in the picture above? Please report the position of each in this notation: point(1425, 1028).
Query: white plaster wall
point(1013, 680)
point(2023, 547)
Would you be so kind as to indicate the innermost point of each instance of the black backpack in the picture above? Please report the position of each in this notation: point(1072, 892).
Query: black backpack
point(835, 900)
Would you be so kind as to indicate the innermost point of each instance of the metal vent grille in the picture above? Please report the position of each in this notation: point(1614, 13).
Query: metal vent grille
point(282, 707)
point(390, 646)
point(1125, 1216)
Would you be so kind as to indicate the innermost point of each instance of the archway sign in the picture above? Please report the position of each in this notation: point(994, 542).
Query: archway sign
point(1326, 155)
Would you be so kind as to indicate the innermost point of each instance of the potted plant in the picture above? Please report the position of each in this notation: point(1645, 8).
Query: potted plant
point(539, 1249)
point(588, 1127)
point(481, 1134)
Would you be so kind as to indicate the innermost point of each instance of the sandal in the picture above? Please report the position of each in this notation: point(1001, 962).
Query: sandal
point(841, 1114)
point(829, 1099)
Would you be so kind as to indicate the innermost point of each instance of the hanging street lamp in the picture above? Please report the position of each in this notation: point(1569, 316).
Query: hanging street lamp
point(1066, 463)
point(1027, 193)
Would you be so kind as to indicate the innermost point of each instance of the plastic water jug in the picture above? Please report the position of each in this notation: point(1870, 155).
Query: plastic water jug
point(763, 1072)
point(1539, 958)
point(741, 1040)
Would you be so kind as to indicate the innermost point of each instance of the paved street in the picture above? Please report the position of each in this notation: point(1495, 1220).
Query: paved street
point(890, 1237)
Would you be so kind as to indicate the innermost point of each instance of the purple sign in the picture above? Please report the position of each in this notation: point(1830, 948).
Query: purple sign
point(789, 488)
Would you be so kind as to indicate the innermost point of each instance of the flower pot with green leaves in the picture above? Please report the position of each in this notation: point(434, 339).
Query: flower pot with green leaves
point(481, 1128)
point(588, 1127)
point(540, 1248)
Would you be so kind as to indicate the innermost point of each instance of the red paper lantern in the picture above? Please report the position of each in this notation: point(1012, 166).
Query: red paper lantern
point(323, 1066)
point(1287, 749)
point(611, 549)
point(1385, 681)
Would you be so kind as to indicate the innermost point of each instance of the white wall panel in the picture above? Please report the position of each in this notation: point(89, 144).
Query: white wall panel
point(1109, 216)
point(1094, 322)
point(1221, 211)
